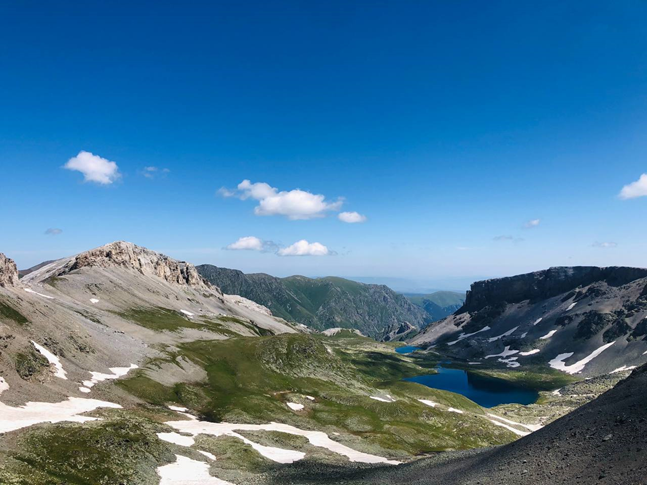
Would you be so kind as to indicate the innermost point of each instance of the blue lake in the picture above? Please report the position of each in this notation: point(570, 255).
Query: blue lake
point(407, 349)
point(485, 391)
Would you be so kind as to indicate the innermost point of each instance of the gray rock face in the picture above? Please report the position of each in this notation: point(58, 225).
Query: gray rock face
point(145, 261)
point(545, 284)
point(8, 272)
point(398, 332)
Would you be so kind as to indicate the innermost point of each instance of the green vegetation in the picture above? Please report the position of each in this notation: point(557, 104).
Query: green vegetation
point(10, 313)
point(30, 363)
point(250, 380)
point(123, 449)
point(535, 377)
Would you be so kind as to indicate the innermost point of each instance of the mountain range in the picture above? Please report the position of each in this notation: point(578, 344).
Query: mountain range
point(321, 303)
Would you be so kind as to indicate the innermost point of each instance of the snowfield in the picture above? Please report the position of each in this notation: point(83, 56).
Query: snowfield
point(186, 471)
point(548, 335)
point(53, 361)
point(13, 418)
point(558, 362)
point(465, 335)
point(97, 377)
point(509, 332)
point(195, 427)
point(506, 352)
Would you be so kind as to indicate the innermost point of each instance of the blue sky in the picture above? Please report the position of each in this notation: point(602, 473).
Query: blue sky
point(448, 125)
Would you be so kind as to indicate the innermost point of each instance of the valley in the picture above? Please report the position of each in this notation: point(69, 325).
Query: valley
point(121, 365)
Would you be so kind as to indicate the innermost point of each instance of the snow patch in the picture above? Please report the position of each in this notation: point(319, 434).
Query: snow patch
point(548, 335)
point(506, 352)
point(94, 300)
point(310, 398)
point(211, 456)
point(530, 352)
point(510, 428)
point(316, 438)
point(186, 471)
point(29, 290)
point(556, 392)
point(623, 368)
point(295, 406)
point(117, 372)
point(511, 362)
point(178, 409)
point(474, 363)
point(53, 361)
point(531, 427)
point(13, 418)
point(388, 398)
point(454, 410)
point(176, 439)
point(465, 335)
point(509, 332)
point(523, 335)
point(428, 402)
point(187, 313)
point(4, 386)
point(571, 306)
point(557, 362)
point(538, 320)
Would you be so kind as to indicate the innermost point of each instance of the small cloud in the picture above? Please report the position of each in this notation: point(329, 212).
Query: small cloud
point(462, 248)
point(304, 248)
point(94, 168)
point(635, 189)
point(508, 238)
point(608, 244)
point(531, 223)
point(153, 172)
point(53, 231)
point(351, 217)
point(294, 204)
point(251, 243)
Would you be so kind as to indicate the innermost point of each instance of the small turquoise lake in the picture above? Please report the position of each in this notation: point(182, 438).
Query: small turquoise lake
point(407, 349)
point(485, 391)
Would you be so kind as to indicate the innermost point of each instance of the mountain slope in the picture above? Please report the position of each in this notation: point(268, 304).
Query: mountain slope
point(322, 302)
point(439, 304)
point(600, 442)
point(584, 320)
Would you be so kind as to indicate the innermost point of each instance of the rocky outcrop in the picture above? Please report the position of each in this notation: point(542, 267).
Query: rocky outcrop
point(8, 272)
point(147, 262)
point(321, 303)
point(545, 284)
point(398, 332)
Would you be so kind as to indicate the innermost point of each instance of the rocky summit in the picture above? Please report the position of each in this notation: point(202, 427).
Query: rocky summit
point(8, 271)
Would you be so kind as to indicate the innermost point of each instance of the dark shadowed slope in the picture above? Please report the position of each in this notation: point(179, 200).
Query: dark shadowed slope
point(604, 441)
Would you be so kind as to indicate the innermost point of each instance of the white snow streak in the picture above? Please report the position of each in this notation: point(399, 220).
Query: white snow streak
point(295, 406)
point(494, 339)
point(4, 386)
point(557, 362)
point(506, 352)
point(117, 372)
point(570, 307)
point(316, 438)
point(29, 290)
point(530, 352)
point(465, 335)
point(428, 402)
point(176, 439)
point(53, 360)
point(188, 314)
point(454, 410)
point(623, 368)
point(548, 335)
point(94, 300)
point(538, 320)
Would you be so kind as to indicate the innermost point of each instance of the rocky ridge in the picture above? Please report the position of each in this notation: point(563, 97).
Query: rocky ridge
point(8, 272)
point(143, 260)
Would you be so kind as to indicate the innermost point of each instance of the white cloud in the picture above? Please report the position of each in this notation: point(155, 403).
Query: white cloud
point(53, 231)
point(248, 243)
point(294, 204)
point(609, 244)
point(635, 189)
point(508, 238)
point(151, 172)
point(531, 223)
point(94, 168)
point(304, 248)
point(351, 217)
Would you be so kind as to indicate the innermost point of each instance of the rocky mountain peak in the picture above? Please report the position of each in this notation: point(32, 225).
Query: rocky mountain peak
point(545, 284)
point(147, 262)
point(8, 271)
